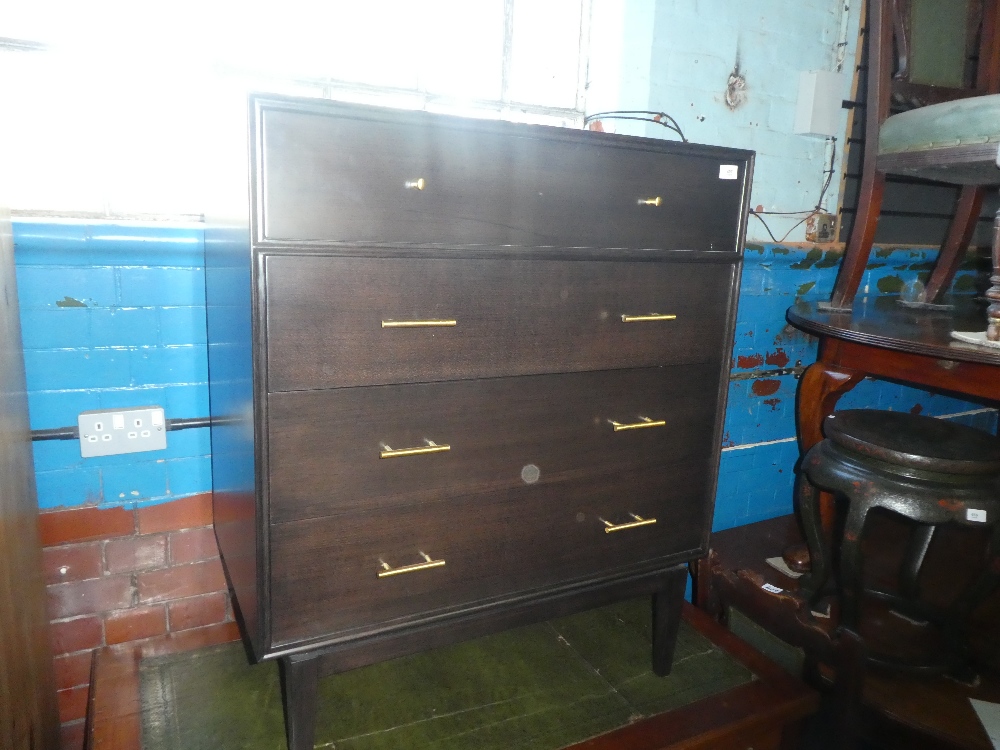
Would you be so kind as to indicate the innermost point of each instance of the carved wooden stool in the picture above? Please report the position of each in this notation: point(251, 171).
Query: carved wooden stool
point(929, 470)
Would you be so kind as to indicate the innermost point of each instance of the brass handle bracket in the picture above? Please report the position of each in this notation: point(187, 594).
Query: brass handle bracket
point(647, 318)
point(645, 422)
point(657, 201)
point(429, 447)
point(419, 323)
point(418, 184)
point(639, 521)
point(427, 564)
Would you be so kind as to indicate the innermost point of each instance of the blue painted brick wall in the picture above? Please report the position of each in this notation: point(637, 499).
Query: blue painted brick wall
point(113, 315)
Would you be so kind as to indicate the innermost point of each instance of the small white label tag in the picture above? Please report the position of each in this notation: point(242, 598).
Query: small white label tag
point(771, 588)
point(728, 172)
point(971, 514)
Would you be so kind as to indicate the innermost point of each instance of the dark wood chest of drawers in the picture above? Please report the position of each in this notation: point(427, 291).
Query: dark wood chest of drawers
point(464, 375)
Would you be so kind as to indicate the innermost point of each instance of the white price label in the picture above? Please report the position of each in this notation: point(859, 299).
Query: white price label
point(728, 172)
point(771, 588)
point(971, 514)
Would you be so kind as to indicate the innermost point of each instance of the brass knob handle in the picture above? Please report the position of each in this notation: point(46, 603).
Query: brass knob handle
point(430, 447)
point(647, 318)
point(418, 323)
point(418, 184)
point(388, 570)
point(639, 521)
point(650, 201)
point(646, 422)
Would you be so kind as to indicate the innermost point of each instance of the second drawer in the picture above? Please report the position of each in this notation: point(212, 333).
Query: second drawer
point(362, 448)
point(334, 322)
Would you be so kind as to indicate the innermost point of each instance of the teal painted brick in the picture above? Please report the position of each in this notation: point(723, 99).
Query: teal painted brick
point(48, 242)
point(56, 286)
point(58, 328)
point(186, 401)
point(52, 455)
point(170, 364)
point(161, 287)
point(138, 480)
point(145, 245)
point(132, 398)
point(58, 408)
point(190, 476)
point(182, 325)
point(40, 242)
point(186, 444)
point(124, 326)
point(68, 487)
point(76, 369)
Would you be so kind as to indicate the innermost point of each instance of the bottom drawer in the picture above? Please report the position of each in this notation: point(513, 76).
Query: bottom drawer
point(324, 572)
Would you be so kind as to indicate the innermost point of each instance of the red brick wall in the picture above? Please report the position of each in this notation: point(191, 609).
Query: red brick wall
point(117, 575)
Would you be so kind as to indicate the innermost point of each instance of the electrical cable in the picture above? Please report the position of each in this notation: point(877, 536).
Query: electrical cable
point(73, 433)
point(809, 213)
point(659, 118)
point(754, 213)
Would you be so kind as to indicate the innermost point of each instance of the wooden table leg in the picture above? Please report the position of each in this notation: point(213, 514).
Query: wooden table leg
point(821, 386)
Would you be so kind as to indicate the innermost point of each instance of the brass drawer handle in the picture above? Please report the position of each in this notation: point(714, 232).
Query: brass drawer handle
point(639, 521)
point(418, 323)
point(388, 570)
point(650, 201)
point(646, 422)
point(431, 447)
point(646, 318)
point(418, 184)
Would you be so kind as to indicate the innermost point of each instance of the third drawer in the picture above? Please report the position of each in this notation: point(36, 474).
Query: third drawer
point(362, 448)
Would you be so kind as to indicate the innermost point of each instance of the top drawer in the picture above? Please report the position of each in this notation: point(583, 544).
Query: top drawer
point(334, 322)
point(425, 179)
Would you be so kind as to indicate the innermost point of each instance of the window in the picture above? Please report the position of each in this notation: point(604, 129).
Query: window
point(108, 110)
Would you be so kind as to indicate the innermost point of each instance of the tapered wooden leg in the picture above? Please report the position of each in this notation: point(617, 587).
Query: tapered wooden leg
point(667, 607)
point(299, 687)
point(851, 564)
point(956, 242)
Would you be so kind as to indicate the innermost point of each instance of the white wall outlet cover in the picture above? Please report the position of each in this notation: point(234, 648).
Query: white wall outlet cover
point(110, 432)
point(818, 109)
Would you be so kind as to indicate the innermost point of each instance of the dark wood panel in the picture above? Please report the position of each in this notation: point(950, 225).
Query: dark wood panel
point(502, 433)
point(324, 571)
point(345, 178)
point(28, 713)
point(513, 317)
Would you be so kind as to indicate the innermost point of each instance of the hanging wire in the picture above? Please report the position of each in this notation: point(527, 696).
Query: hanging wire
point(641, 115)
point(808, 213)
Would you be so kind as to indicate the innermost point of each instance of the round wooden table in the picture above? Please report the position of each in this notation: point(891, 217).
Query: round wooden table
point(881, 338)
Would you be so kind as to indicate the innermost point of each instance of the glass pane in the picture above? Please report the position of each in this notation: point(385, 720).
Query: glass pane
point(546, 52)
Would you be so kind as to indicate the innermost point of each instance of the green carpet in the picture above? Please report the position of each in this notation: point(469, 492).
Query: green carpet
point(539, 687)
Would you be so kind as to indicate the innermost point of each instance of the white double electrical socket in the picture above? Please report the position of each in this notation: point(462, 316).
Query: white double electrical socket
point(108, 432)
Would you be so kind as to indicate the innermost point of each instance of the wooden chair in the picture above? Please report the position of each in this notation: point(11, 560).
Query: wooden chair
point(931, 111)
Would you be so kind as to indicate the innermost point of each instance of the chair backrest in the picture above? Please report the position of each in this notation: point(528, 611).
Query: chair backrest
point(941, 50)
